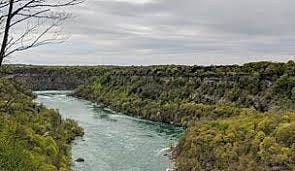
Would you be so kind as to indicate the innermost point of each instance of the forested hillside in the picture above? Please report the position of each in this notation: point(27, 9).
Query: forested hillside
point(238, 117)
point(32, 138)
point(180, 93)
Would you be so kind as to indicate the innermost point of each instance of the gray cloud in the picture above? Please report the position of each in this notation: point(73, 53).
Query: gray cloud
point(144, 32)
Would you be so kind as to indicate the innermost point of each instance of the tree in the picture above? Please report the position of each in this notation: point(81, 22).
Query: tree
point(25, 24)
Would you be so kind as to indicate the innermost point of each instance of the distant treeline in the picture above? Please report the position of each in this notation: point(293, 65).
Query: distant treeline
point(69, 77)
point(50, 78)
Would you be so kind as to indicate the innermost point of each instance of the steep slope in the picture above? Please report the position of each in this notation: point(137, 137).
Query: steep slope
point(31, 136)
point(164, 94)
point(249, 142)
point(234, 114)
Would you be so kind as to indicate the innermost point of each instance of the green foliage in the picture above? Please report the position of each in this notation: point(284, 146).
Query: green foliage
point(31, 136)
point(166, 100)
point(161, 98)
point(222, 106)
point(247, 142)
point(284, 86)
point(293, 94)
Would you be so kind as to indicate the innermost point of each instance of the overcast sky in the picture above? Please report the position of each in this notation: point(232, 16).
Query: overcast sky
point(145, 32)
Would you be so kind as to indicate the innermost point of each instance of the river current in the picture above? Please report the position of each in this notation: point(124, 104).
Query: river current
point(113, 141)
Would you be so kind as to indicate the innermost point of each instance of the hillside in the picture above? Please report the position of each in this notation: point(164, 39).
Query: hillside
point(249, 142)
point(179, 94)
point(238, 117)
point(31, 136)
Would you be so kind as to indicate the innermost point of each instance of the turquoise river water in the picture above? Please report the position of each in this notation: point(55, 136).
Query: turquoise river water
point(113, 141)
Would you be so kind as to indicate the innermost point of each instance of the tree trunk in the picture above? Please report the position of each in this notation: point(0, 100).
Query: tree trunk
point(6, 32)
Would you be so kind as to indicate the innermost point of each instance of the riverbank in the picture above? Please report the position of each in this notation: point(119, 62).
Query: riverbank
point(32, 137)
point(237, 117)
point(113, 141)
point(233, 113)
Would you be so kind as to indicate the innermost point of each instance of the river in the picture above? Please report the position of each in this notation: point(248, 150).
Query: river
point(113, 141)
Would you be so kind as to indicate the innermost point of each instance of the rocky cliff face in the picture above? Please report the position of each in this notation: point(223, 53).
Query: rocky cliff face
point(51, 78)
point(50, 81)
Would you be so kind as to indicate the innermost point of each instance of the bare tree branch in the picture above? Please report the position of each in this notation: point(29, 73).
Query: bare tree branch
point(25, 24)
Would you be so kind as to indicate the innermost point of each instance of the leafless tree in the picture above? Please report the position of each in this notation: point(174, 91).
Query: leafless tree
point(25, 24)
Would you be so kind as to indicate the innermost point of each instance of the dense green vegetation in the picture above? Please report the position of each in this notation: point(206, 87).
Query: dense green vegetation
point(262, 86)
point(69, 77)
point(249, 142)
point(32, 137)
point(238, 117)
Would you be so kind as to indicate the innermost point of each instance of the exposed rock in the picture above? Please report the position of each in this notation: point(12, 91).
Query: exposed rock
point(80, 160)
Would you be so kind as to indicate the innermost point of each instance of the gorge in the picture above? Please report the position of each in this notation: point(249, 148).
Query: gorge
point(233, 114)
